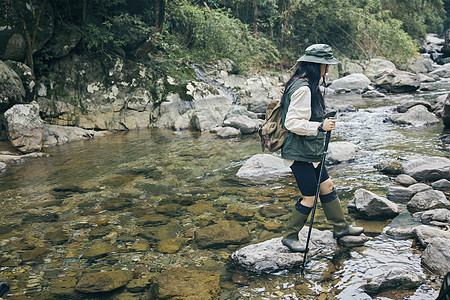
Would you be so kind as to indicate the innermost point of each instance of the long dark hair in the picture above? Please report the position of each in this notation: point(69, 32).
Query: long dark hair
point(311, 72)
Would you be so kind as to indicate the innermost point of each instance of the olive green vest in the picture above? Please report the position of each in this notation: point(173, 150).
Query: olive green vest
point(301, 147)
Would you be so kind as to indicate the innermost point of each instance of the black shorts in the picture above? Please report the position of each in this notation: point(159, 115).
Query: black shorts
point(307, 176)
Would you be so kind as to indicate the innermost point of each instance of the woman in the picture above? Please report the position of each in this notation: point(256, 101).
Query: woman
point(303, 111)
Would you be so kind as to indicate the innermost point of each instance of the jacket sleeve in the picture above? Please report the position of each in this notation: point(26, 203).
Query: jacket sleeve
point(299, 113)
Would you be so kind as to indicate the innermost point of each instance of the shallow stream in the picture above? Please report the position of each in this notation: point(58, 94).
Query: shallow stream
point(55, 209)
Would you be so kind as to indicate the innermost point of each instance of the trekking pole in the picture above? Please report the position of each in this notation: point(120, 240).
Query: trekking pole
point(325, 149)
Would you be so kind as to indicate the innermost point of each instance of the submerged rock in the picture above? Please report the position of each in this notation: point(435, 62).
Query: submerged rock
point(263, 165)
point(395, 279)
point(437, 257)
point(182, 283)
point(371, 206)
point(222, 234)
point(401, 233)
point(101, 282)
point(272, 255)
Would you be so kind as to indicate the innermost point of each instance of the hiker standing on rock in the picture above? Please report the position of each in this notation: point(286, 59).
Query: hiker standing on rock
point(303, 109)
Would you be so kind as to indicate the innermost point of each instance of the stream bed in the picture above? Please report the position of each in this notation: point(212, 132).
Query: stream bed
point(102, 191)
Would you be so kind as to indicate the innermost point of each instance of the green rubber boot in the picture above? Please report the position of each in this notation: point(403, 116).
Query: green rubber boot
point(335, 215)
point(296, 222)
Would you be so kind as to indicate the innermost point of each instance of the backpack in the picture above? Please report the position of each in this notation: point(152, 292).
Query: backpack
point(271, 131)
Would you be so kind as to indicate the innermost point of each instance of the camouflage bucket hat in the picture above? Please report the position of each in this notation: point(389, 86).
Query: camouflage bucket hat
point(320, 54)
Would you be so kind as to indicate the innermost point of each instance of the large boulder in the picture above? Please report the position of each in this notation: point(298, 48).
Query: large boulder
point(339, 152)
point(351, 82)
point(12, 90)
point(25, 127)
point(430, 199)
point(58, 112)
point(428, 169)
point(394, 279)
point(182, 283)
point(272, 255)
point(420, 64)
point(66, 38)
point(445, 112)
point(263, 165)
point(26, 76)
point(397, 81)
point(368, 205)
point(441, 215)
point(424, 234)
point(174, 113)
point(437, 257)
point(377, 68)
point(443, 71)
point(417, 115)
point(222, 234)
point(12, 44)
point(58, 135)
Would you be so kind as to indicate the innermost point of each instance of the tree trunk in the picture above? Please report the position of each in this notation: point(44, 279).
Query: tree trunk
point(255, 18)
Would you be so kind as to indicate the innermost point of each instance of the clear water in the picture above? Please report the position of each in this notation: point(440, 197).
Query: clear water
point(98, 191)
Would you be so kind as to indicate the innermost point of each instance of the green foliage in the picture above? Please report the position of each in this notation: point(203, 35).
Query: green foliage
point(213, 33)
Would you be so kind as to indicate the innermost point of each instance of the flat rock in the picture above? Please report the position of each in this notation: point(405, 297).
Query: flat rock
point(103, 281)
point(399, 194)
point(394, 279)
point(401, 232)
point(272, 255)
point(428, 169)
point(182, 283)
point(222, 234)
point(442, 185)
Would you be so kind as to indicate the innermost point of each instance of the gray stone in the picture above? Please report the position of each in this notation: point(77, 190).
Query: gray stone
point(263, 165)
point(442, 185)
point(272, 255)
point(397, 81)
point(2, 166)
point(59, 135)
point(377, 68)
point(438, 107)
point(421, 64)
point(399, 194)
point(26, 76)
point(437, 257)
point(424, 234)
point(238, 110)
point(406, 106)
point(405, 180)
point(351, 241)
point(339, 152)
point(349, 67)
point(183, 283)
point(64, 40)
point(390, 167)
point(25, 127)
point(394, 279)
point(101, 282)
point(245, 124)
point(440, 215)
point(428, 169)
point(401, 232)
point(11, 87)
point(430, 199)
point(371, 206)
point(351, 82)
point(419, 187)
point(416, 116)
point(445, 111)
point(443, 71)
point(373, 94)
point(222, 234)
point(228, 132)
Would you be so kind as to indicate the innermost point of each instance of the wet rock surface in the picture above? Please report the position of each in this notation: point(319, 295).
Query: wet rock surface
point(394, 279)
point(103, 281)
point(436, 256)
point(371, 206)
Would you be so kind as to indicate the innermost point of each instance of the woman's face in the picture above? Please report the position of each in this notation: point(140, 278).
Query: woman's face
point(323, 70)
